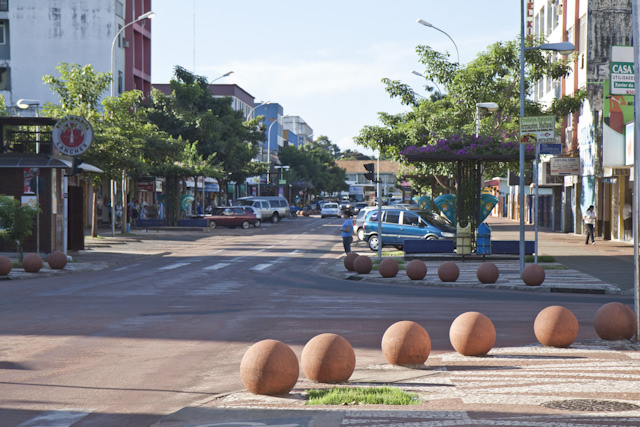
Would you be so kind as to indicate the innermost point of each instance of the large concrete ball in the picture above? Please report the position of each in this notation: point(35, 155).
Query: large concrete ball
point(349, 259)
point(416, 269)
point(32, 263)
point(388, 267)
point(406, 343)
point(5, 265)
point(269, 367)
point(328, 358)
point(363, 264)
point(487, 272)
point(57, 260)
point(615, 321)
point(533, 275)
point(556, 326)
point(448, 271)
point(472, 334)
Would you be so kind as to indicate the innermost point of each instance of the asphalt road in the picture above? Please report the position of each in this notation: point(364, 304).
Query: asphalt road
point(160, 331)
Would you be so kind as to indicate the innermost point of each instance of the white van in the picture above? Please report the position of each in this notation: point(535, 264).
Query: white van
point(271, 207)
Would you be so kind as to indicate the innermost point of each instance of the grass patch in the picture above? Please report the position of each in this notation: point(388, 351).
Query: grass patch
point(541, 258)
point(362, 396)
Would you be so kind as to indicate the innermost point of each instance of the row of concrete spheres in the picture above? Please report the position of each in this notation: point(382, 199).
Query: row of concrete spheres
point(270, 367)
point(448, 271)
point(32, 263)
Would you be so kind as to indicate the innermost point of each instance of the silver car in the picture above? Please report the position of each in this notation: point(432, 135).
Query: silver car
point(330, 209)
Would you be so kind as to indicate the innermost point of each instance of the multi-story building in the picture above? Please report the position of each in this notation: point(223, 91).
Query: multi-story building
point(601, 31)
point(298, 126)
point(37, 35)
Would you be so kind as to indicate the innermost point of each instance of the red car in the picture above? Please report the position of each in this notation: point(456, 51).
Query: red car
point(231, 217)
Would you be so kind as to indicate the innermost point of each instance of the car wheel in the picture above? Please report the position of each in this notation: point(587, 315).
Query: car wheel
point(432, 238)
point(257, 224)
point(373, 242)
point(360, 234)
point(212, 224)
point(322, 216)
point(245, 225)
point(275, 218)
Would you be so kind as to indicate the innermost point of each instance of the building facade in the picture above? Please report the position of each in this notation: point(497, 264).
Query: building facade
point(600, 31)
point(37, 35)
point(299, 127)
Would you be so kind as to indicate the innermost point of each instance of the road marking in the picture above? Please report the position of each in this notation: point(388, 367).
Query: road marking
point(126, 267)
point(217, 266)
point(297, 251)
point(260, 267)
point(174, 265)
point(55, 418)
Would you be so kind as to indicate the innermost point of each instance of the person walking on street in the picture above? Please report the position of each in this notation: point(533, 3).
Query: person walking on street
point(590, 223)
point(347, 233)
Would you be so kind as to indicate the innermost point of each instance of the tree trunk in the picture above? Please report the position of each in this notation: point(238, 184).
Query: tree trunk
point(125, 191)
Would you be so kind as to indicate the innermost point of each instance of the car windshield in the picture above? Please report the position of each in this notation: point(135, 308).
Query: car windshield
point(330, 205)
point(436, 219)
point(245, 202)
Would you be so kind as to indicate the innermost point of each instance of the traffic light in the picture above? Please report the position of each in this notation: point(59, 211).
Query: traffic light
point(75, 166)
point(370, 175)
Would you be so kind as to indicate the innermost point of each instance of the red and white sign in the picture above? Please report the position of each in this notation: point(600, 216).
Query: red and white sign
point(72, 135)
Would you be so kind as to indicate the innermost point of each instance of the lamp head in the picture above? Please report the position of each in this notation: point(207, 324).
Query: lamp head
point(26, 103)
point(491, 106)
point(147, 15)
point(423, 22)
point(564, 48)
point(417, 73)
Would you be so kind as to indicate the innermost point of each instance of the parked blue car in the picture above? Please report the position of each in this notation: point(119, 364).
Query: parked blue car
point(401, 224)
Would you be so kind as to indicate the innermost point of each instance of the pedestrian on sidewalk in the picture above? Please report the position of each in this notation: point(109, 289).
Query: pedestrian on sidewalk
point(347, 232)
point(590, 224)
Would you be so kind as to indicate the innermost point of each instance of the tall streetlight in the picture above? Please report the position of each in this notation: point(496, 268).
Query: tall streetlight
point(417, 73)
point(427, 24)
point(491, 106)
point(564, 48)
point(269, 149)
point(147, 15)
point(25, 104)
point(253, 109)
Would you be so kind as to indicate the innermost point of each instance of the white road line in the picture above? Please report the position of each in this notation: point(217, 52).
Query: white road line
point(174, 265)
point(217, 266)
point(62, 418)
point(297, 251)
point(260, 267)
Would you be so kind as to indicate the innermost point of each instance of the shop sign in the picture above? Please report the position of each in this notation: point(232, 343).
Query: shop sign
point(72, 135)
point(622, 71)
point(537, 129)
point(565, 166)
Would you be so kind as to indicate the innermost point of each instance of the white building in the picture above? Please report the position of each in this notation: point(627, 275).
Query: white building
point(298, 126)
point(37, 35)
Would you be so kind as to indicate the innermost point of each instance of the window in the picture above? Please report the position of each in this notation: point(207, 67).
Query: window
point(120, 82)
point(3, 32)
point(392, 217)
point(4, 5)
point(119, 36)
point(410, 219)
point(4, 79)
point(119, 9)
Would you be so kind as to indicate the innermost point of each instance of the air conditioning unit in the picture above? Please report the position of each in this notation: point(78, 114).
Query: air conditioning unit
point(546, 178)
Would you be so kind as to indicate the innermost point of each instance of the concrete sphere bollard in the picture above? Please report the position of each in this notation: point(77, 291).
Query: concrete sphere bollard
point(416, 269)
point(349, 259)
point(57, 260)
point(472, 334)
point(533, 275)
point(556, 326)
point(269, 367)
point(615, 321)
point(406, 343)
point(32, 263)
point(487, 272)
point(362, 264)
point(388, 267)
point(448, 271)
point(306, 212)
point(5, 265)
point(328, 358)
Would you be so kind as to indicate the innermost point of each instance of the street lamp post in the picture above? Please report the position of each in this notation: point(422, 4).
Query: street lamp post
point(269, 149)
point(564, 48)
point(491, 106)
point(24, 104)
point(147, 15)
point(427, 24)
point(228, 73)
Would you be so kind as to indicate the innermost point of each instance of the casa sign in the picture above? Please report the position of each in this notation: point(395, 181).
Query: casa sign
point(72, 135)
point(622, 71)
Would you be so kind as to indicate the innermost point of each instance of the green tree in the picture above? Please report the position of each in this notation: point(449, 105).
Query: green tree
point(492, 76)
point(194, 114)
point(16, 222)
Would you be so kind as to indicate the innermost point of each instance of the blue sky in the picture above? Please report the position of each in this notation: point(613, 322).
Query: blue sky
point(322, 60)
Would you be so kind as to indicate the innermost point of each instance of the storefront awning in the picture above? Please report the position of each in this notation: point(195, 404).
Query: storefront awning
point(41, 161)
